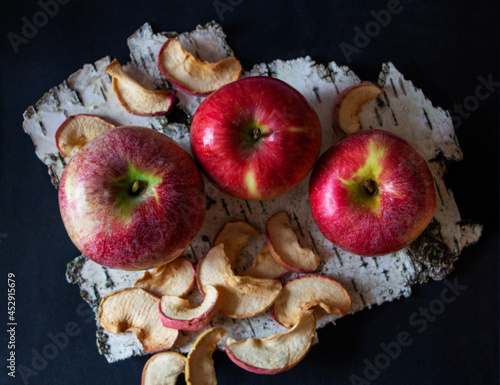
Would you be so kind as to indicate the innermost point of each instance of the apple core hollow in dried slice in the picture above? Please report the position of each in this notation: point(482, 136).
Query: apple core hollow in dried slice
point(239, 297)
point(285, 248)
point(175, 278)
point(308, 291)
point(200, 365)
point(134, 97)
point(77, 130)
point(163, 369)
point(348, 104)
point(136, 310)
point(265, 266)
point(177, 313)
point(277, 353)
point(193, 75)
point(234, 235)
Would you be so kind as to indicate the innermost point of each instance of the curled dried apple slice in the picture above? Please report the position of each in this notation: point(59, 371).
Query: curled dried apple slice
point(77, 130)
point(285, 248)
point(163, 369)
point(348, 104)
point(234, 235)
point(306, 292)
point(175, 278)
point(136, 310)
point(134, 97)
point(200, 365)
point(239, 297)
point(277, 353)
point(177, 313)
point(265, 266)
point(192, 75)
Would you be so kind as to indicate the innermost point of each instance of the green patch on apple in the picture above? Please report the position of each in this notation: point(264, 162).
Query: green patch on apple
point(364, 183)
point(132, 188)
point(251, 183)
point(253, 134)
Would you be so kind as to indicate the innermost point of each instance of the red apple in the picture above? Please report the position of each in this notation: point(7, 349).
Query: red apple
point(256, 138)
point(132, 199)
point(372, 194)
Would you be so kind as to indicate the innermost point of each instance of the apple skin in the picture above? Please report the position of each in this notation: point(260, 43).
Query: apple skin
point(127, 230)
point(194, 324)
point(386, 221)
point(256, 138)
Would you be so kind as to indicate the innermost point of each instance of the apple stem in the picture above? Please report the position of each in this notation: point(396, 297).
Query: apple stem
point(257, 133)
point(136, 187)
point(370, 186)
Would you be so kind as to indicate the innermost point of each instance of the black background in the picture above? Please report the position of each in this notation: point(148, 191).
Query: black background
point(442, 46)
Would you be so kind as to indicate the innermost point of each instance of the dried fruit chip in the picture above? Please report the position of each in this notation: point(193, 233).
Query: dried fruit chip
point(163, 369)
point(200, 365)
point(137, 310)
point(77, 130)
point(175, 278)
point(177, 313)
point(348, 104)
point(234, 235)
point(277, 353)
point(239, 297)
point(134, 97)
point(285, 248)
point(306, 292)
point(265, 266)
point(193, 75)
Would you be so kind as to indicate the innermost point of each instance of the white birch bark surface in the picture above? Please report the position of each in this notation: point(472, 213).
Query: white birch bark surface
point(401, 108)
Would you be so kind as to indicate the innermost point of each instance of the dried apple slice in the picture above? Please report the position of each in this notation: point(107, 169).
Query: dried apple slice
point(234, 235)
point(265, 266)
point(200, 365)
point(175, 278)
point(348, 104)
point(134, 97)
point(177, 313)
point(136, 310)
point(285, 248)
point(77, 130)
point(239, 297)
point(277, 353)
point(306, 292)
point(163, 369)
point(192, 75)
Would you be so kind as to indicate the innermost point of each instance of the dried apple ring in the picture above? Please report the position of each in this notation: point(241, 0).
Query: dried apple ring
point(192, 75)
point(134, 97)
point(78, 130)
